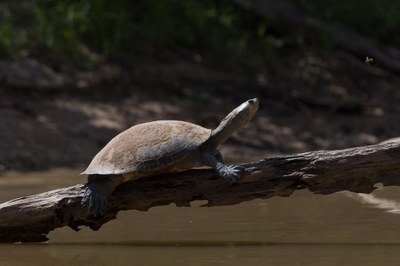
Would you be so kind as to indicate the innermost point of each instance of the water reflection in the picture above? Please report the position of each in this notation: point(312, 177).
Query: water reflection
point(278, 254)
point(392, 206)
point(303, 229)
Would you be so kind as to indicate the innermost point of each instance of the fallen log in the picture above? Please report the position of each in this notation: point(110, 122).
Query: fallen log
point(356, 169)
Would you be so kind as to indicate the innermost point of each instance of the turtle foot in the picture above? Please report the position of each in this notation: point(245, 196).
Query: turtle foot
point(95, 199)
point(231, 173)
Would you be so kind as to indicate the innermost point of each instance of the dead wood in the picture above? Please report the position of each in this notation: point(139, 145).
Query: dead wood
point(322, 172)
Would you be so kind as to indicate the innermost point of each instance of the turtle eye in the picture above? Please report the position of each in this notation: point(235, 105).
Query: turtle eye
point(253, 101)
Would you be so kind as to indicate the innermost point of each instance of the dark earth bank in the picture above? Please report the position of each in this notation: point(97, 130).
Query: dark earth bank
point(307, 102)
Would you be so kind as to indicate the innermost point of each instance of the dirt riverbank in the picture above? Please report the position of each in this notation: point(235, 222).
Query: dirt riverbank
point(308, 102)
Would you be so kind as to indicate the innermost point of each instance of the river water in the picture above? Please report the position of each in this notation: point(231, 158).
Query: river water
point(304, 229)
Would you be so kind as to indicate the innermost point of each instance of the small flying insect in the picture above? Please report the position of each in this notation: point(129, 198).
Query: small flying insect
point(369, 60)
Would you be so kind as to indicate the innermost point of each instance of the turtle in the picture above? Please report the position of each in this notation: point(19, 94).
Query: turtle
point(159, 147)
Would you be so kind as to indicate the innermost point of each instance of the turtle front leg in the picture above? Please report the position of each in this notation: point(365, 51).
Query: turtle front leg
point(231, 173)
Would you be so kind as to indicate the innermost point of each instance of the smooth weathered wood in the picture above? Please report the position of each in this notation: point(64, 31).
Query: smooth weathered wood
point(322, 172)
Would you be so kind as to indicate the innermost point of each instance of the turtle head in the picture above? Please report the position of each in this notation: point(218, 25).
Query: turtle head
point(232, 122)
point(244, 112)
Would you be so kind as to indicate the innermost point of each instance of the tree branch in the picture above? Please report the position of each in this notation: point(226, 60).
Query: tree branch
point(322, 172)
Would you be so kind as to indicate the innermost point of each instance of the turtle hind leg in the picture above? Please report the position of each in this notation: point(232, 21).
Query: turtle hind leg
point(97, 193)
point(231, 173)
point(94, 199)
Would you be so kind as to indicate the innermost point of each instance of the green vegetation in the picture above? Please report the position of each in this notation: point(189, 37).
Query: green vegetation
point(120, 27)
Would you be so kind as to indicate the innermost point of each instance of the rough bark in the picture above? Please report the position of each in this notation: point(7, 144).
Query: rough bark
point(322, 172)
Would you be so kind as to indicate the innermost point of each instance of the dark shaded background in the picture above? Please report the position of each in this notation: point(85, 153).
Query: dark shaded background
point(75, 73)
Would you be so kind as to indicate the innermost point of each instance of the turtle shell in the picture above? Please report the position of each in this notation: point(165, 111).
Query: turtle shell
point(148, 147)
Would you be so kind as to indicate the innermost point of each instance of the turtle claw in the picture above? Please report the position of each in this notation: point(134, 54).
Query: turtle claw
point(231, 173)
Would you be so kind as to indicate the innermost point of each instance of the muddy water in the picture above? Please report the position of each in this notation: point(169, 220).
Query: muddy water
point(304, 229)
